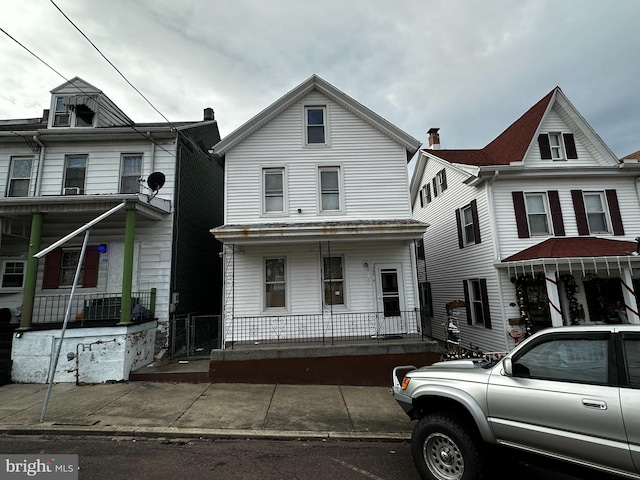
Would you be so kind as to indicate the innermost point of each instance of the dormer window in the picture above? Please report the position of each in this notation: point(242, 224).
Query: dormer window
point(72, 112)
point(61, 114)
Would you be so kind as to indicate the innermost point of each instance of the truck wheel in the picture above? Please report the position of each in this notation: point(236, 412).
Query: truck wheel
point(443, 450)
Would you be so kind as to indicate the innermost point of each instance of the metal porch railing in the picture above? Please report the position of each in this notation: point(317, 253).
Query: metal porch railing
point(85, 308)
point(323, 329)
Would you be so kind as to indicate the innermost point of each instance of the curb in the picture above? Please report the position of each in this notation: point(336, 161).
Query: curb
point(200, 433)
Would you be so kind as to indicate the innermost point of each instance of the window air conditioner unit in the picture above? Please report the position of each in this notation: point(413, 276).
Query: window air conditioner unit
point(71, 191)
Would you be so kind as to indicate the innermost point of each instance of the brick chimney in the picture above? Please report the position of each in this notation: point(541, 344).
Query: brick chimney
point(434, 139)
point(208, 114)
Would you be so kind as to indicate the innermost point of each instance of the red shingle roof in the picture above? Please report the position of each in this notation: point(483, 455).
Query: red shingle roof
point(510, 146)
point(573, 247)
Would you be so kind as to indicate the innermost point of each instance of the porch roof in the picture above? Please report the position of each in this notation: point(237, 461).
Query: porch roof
point(575, 247)
point(314, 231)
point(153, 208)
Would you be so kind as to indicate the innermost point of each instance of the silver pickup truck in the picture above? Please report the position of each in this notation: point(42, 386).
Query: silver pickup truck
point(571, 393)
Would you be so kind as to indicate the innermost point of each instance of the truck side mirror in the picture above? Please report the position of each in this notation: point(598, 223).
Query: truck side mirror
point(507, 367)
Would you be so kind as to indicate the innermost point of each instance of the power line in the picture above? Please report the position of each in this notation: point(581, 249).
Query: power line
point(109, 61)
point(129, 123)
point(197, 147)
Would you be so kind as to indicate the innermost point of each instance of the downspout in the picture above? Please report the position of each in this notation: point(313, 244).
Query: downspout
point(638, 187)
point(496, 248)
point(152, 161)
point(39, 165)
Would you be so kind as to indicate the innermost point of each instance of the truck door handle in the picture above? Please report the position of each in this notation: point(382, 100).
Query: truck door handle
point(597, 404)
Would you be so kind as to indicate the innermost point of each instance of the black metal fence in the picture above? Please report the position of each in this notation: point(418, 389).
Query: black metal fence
point(195, 335)
point(91, 307)
point(324, 329)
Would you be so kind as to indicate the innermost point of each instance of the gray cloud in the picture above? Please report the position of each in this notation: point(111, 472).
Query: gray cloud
point(468, 67)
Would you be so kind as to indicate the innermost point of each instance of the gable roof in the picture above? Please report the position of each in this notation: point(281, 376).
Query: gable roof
point(572, 247)
point(633, 156)
point(315, 83)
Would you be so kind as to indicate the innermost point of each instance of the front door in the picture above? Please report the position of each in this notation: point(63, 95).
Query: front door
point(390, 300)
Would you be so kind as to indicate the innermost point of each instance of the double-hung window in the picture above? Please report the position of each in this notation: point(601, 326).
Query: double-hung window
point(275, 283)
point(333, 280)
point(75, 168)
point(537, 216)
point(61, 113)
point(20, 176)
point(477, 302)
point(468, 225)
point(330, 189)
point(557, 146)
point(466, 216)
point(13, 274)
point(131, 170)
point(315, 125)
point(555, 143)
point(595, 207)
point(273, 186)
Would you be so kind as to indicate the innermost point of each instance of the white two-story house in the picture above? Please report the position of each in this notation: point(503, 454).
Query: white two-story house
point(317, 230)
point(537, 229)
point(152, 257)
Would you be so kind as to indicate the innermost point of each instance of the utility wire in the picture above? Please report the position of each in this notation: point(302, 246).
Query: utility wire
point(129, 123)
point(198, 147)
point(109, 62)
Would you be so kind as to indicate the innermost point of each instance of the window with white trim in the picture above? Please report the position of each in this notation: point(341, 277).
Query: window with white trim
point(555, 143)
point(13, 273)
point(75, 168)
point(315, 125)
point(596, 210)
point(273, 187)
point(333, 280)
point(330, 189)
point(275, 282)
point(68, 268)
point(466, 217)
point(131, 171)
point(61, 113)
point(537, 213)
point(475, 298)
point(19, 176)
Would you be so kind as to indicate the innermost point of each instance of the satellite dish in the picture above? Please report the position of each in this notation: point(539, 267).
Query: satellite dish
point(155, 181)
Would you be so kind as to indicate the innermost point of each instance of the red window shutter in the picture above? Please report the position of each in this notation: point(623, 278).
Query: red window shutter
point(91, 261)
point(476, 222)
point(570, 145)
point(486, 312)
point(556, 213)
point(52, 263)
point(521, 214)
point(459, 225)
point(467, 304)
point(614, 212)
point(545, 148)
point(581, 214)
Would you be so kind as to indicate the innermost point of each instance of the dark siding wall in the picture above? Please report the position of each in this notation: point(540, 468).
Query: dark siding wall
point(197, 268)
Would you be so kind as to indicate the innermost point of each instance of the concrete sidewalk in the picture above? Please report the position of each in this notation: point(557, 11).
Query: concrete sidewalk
point(203, 410)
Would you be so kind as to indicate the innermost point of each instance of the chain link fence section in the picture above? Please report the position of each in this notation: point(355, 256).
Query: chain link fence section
point(195, 335)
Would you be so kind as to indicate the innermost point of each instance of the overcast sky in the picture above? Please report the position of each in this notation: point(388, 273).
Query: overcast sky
point(470, 67)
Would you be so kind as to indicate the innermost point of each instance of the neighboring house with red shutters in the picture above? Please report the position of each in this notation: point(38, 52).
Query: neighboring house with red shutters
point(82, 158)
point(537, 229)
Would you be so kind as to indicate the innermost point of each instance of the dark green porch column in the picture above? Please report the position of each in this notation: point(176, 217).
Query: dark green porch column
point(127, 268)
point(32, 271)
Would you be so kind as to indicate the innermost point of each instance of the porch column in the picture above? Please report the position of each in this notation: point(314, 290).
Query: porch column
point(629, 296)
point(127, 268)
point(551, 281)
point(32, 271)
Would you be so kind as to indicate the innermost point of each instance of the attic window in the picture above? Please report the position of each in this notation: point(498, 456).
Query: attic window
point(84, 116)
point(315, 122)
point(61, 114)
point(557, 146)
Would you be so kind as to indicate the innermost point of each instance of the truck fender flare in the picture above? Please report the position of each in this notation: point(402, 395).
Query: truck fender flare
point(464, 399)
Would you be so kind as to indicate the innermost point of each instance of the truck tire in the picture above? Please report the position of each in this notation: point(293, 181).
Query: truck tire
point(443, 450)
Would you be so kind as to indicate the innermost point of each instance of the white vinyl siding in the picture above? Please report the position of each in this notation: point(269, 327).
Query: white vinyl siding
point(374, 169)
point(448, 265)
